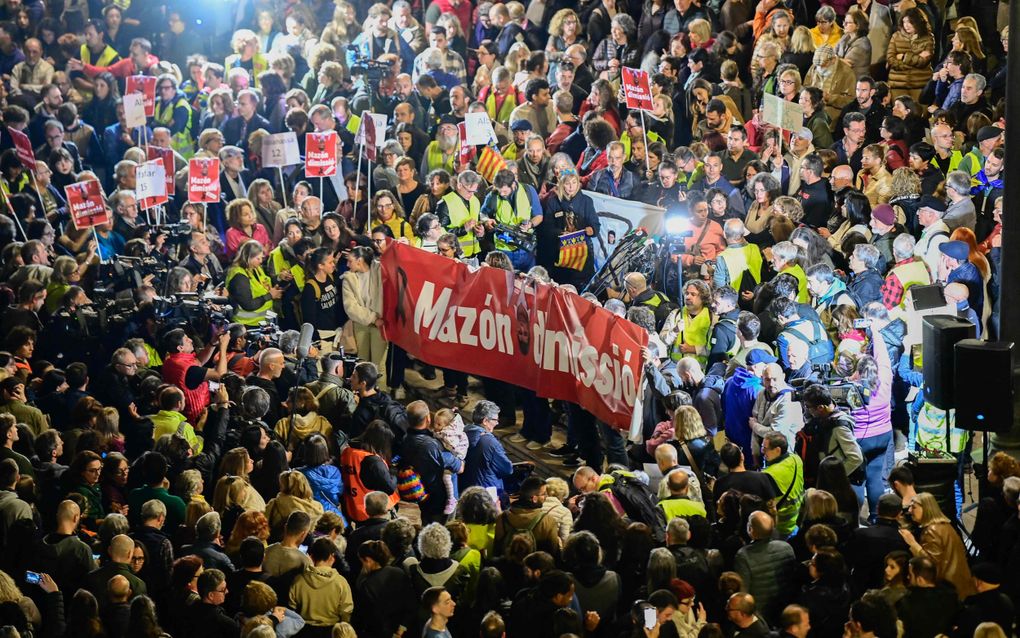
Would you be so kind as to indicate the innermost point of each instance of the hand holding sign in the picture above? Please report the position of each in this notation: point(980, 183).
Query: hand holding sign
point(636, 89)
point(134, 110)
point(146, 85)
point(321, 150)
point(478, 129)
point(204, 180)
point(150, 179)
point(86, 205)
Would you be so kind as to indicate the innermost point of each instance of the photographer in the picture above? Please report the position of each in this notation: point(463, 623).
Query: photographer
point(829, 432)
point(238, 360)
point(186, 369)
point(873, 421)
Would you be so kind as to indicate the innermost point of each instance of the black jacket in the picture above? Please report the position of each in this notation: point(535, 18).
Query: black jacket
point(368, 530)
point(866, 553)
point(210, 621)
point(379, 406)
point(928, 611)
point(990, 606)
point(425, 454)
point(160, 561)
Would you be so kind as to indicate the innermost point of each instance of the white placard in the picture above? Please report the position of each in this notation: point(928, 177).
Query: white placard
point(280, 149)
point(150, 187)
point(479, 129)
point(776, 111)
point(380, 129)
point(134, 109)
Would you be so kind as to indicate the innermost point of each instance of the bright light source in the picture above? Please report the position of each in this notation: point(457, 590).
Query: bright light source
point(676, 225)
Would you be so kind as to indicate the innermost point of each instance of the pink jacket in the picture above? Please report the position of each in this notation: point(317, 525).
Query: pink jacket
point(236, 237)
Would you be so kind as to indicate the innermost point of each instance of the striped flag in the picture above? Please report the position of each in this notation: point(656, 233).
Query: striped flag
point(490, 162)
point(573, 250)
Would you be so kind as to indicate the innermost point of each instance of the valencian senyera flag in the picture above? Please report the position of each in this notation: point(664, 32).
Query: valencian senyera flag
point(573, 250)
point(490, 162)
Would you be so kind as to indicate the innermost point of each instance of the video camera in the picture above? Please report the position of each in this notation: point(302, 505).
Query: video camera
point(845, 394)
point(178, 233)
point(514, 235)
point(266, 335)
point(635, 252)
point(373, 70)
point(196, 309)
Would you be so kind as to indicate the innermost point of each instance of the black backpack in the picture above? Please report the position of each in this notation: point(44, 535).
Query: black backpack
point(811, 443)
point(638, 502)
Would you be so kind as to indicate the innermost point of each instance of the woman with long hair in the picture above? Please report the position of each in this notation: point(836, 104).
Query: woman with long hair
point(386, 600)
point(856, 218)
point(266, 208)
point(244, 226)
point(114, 481)
point(249, 287)
point(826, 596)
point(602, 101)
point(766, 190)
point(82, 477)
point(801, 52)
point(854, 46)
point(939, 541)
point(142, 621)
point(101, 111)
point(365, 467)
point(909, 56)
point(295, 495)
point(599, 516)
point(567, 211)
point(362, 298)
point(478, 512)
point(237, 464)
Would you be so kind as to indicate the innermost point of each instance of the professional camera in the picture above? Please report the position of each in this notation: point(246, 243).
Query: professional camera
point(845, 394)
point(635, 252)
point(178, 233)
point(206, 311)
point(265, 335)
point(373, 70)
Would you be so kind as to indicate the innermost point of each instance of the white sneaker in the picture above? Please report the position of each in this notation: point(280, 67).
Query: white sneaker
point(517, 438)
point(535, 445)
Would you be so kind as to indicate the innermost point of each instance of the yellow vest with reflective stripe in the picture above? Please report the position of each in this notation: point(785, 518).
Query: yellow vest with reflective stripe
point(459, 215)
point(280, 264)
point(803, 296)
point(512, 216)
point(746, 258)
point(912, 273)
point(434, 158)
point(105, 58)
point(164, 114)
point(682, 507)
point(508, 106)
point(259, 282)
point(695, 333)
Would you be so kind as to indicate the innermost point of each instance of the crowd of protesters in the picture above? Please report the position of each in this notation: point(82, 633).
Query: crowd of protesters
point(172, 467)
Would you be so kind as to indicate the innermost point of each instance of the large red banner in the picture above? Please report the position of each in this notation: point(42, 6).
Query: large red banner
point(636, 89)
point(23, 146)
point(533, 335)
point(85, 203)
point(146, 85)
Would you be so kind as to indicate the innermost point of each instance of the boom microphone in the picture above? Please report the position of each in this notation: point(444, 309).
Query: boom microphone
point(305, 342)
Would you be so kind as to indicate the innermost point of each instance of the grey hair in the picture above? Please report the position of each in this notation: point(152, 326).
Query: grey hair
point(679, 529)
point(786, 251)
point(376, 503)
point(876, 310)
point(1011, 490)
point(978, 79)
point(187, 484)
point(868, 254)
point(499, 74)
point(626, 23)
point(469, 178)
point(903, 246)
point(432, 58)
point(642, 316)
point(153, 509)
point(122, 168)
point(563, 101)
point(616, 307)
point(958, 181)
point(661, 566)
point(121, 194)
point(826, 13)
point(254, 402)
point(289, 341)
point(424, 223)
point(113, 525)
point(484, 410)
point(208, 527)
point(734, 230)
point(434, 541)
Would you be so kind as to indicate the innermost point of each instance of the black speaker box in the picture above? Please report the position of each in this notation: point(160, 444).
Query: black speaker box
point(940, 334)
point(937, 477)
point(984, 385)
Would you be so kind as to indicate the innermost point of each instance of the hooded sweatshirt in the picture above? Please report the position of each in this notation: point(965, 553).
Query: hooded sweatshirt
point(303, 427)
point(322, 597)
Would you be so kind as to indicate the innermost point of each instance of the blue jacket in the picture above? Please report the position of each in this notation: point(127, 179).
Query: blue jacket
point(968, 274)
point(738, 399)
point(486, 463)
point(426, 455)
point(327, 485)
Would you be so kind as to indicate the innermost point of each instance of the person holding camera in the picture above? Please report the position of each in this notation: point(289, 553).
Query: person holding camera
point(829, 432)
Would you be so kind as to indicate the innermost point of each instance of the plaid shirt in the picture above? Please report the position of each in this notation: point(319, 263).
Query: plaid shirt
point(892, 287)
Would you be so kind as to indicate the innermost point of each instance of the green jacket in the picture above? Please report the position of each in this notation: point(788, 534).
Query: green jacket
point(788, 472)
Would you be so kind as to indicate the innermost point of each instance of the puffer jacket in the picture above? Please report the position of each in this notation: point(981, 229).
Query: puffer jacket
point(327, 485)
point(767, 568)
point(913, 71)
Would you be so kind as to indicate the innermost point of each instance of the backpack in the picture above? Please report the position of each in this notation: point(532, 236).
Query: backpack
point(820, 348)
point(393, 413)
point(637, 501)
point(812, 439)
point(528, 530)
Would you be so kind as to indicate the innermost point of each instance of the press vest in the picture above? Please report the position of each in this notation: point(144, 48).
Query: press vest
point(459, 215)
point(789, 469)
point(512, 215)
point(354, 489)
point(175, 368)
point(695, 333)
point(681, 506)
point(259, 282)
point(280, 263)
point(746, 258)
point(181, 142)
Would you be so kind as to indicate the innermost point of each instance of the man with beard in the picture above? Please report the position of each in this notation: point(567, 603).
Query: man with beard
point(442, 152)
point(515, 205)
point(614, 179)
point(405, 93)
point(521, 130)
point(866, 104)
point(988, 189)
point(565, 82)
point(435, 100)
point(534, 164)
point(851, 147)
point(714, 179)
point(687, 329)
point(538, 109)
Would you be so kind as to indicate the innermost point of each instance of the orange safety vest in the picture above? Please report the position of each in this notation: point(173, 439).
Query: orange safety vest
point(354, 489)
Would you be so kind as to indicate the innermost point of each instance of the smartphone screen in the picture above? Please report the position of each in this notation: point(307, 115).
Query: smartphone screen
point(32, 578)
point(649, 618)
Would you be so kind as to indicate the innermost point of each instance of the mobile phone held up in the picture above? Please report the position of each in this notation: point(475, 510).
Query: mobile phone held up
point(32, 578)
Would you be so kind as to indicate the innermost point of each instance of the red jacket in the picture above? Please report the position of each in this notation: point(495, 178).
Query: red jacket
point(122, 68)
point(175, 368)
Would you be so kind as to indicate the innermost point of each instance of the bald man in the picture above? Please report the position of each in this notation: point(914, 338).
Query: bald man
point(62, 554)
point(640, 294)
point(767, 567)
point(842, 179)
point(742, 611)
point(270, 366)
point(957, 293)
point(120, 551)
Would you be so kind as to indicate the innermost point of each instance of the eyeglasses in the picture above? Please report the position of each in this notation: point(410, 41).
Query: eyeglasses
point(92, 470)
point(129, 365)
point(385, 205)
point(786, 82)
point(137, 559)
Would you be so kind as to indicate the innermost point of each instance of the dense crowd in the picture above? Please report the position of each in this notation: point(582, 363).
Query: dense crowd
point(180, 457)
